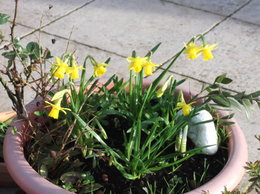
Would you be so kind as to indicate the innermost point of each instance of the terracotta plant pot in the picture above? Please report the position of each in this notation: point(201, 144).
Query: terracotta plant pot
point(232, 173)
point(4, 116)
point(31, 182)
point(5, 179)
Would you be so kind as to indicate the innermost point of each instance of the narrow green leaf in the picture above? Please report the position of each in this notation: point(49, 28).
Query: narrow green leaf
point(160, 77)
point(102, 130)
point(255, 94)
point(239, 96)
point(227, 123)
point(220, 78)
point(228, 116)
point(82, 87)
point(220, 100)
point(214, 86)
point(223, 79)
point(108, 60)
point(41, 113)
point(180, 82)
point(234, 103)
point(133, 54)
point(10, 55)
point(247, 105)
point(226, 80)
point(202, 122)
point(152, 51)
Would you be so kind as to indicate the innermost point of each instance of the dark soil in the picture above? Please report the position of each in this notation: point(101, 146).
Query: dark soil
point(182, 179)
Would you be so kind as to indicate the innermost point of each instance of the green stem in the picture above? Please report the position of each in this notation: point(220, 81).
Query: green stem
point(184, 139)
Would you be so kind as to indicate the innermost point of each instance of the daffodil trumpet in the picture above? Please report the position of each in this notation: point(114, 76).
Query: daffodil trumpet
point(56, 108)
point(61, 68)
point(137, 64)
point(100, 69)
point(186, 108)
point(73, 71)
point(206, 50)
point(192, 50)
point(149, 67)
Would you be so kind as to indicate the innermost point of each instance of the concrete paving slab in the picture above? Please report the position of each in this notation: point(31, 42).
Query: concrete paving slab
point(36, 13)
point(222, 7)
point(237, 54)
point(121, 26)
point(250, 13)
point(250, 126)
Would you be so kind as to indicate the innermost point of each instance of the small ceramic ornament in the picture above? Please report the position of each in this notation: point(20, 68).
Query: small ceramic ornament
point(203, 134)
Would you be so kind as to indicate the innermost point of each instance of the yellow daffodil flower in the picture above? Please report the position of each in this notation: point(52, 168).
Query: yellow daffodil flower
point(186, 108)
point(206, 50)
point(60, 69)
point(192, 50)
point(136, 63)
point(149, 68)
point(161, 90)
point(100, 69)
point(73, 71)
point(56, 108)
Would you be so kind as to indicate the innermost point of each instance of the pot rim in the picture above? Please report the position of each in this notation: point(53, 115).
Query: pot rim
point(28, 179)
point(233, 171)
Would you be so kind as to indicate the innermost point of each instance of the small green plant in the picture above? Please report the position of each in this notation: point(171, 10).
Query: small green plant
point(3, 129)
point(253, 170)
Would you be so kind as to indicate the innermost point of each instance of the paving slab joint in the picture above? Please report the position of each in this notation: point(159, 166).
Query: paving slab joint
point(205, 33)
point(49, 23)
point(211, 12)
point(225, 18)
point(199, 80)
